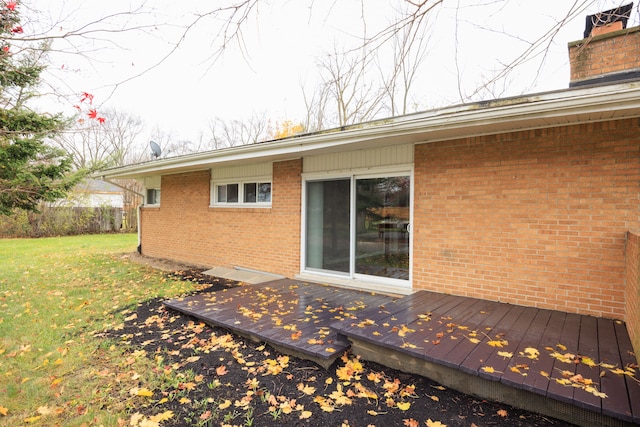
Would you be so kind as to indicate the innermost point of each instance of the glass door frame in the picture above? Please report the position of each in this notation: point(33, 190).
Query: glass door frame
point(353, 176)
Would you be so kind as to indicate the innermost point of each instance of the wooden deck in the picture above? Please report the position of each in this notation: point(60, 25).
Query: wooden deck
point(578, 368)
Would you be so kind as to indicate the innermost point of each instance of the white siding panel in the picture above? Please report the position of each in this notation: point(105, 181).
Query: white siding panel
point(243, 171)
point(378, 157)
point(152, 181)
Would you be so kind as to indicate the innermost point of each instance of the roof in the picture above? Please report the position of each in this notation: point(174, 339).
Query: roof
point(98, 186)
point(536, 111)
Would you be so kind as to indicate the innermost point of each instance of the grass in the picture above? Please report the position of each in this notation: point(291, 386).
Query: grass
point(56, 295)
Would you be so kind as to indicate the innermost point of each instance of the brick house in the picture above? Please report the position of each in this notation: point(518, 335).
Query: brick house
point(531, 200)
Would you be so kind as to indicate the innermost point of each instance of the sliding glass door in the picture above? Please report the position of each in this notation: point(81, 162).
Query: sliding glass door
point(359, 226)
point(382, 227)
point(328, 225)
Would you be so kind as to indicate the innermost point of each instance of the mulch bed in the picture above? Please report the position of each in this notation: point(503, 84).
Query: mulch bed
point(223, 373)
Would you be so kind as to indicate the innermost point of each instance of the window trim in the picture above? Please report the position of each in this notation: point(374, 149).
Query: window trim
point(215, 184)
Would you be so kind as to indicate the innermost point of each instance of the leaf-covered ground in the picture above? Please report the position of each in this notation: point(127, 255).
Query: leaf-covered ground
point(206, 376)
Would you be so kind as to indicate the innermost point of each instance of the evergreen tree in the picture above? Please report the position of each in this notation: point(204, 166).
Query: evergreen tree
point(31, 171)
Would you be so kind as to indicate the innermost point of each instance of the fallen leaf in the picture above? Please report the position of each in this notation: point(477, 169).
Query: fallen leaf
point(306, 389)
point(225, 404)
point(410, 422)
point(221, 370)
point(502, 412)
point(135, 419)
point(141, 392)
point(404, 406)
point(435, 423)
point(163, 416)
point(305, 415)
point(3, 410)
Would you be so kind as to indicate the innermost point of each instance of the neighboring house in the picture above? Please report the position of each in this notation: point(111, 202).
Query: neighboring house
point(95, 193)
point(99, 195)
point(531, 200)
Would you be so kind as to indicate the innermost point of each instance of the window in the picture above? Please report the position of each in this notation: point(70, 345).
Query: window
point(227, 193)
point(153, 196)
point(248, 193)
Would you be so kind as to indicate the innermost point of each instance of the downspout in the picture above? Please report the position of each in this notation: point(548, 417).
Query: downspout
point(138, 209)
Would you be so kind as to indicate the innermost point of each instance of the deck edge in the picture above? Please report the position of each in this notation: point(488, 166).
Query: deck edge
point(483, 388)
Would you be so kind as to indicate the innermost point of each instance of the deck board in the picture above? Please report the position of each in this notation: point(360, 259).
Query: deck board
point(497, 361)
point(628, 359)
point(612, 385)
point(588, 345)
point(476, 358)
point(533, 367)
point(519, 367)
point(531, 350)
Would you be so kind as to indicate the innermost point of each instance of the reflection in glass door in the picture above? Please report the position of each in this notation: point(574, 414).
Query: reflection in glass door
point(328, 243)
point(382, 227)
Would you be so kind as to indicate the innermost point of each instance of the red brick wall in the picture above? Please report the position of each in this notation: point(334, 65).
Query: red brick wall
point(608, 53)
point(186, 229)
point(534, 218)
point(632, 290)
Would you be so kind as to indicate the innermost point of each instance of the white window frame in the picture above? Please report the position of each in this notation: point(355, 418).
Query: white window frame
point(215, 184)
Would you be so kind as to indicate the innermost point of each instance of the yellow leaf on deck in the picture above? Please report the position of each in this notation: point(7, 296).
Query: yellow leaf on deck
point(505, 354)
point(488, 369)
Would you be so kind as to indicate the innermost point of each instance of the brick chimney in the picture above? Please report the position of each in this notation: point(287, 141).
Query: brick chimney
point(609, 52)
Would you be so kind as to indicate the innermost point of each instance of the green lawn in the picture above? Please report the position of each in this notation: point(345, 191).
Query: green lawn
point(56, 295)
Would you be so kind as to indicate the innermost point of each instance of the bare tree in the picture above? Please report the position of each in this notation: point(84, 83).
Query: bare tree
point(230, 133)
point(346, 79)
point(115, 142)
point(409, 50)
point(315, 108)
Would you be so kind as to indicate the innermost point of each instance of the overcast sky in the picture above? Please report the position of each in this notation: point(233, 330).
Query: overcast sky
point(281, 45)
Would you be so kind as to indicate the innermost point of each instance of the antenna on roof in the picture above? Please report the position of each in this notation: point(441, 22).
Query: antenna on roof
point(155, 149)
